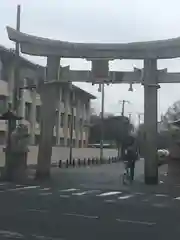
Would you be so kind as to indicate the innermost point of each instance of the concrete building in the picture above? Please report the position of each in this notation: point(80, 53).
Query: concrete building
point(30, 104)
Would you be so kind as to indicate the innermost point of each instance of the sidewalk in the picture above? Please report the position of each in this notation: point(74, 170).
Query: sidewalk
point(168, 181)
point(109, 177)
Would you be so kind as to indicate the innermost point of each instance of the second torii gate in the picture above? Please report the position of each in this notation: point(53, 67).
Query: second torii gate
point(100, 55)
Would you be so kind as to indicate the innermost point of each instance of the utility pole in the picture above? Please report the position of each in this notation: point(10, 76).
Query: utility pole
point(123, 106)
point(101, 89)
point(121, 150)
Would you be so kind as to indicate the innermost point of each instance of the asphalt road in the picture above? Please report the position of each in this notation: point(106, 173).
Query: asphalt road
point(81, 212)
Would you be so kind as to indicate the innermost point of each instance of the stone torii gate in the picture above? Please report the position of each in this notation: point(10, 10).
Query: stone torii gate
point(100, 55)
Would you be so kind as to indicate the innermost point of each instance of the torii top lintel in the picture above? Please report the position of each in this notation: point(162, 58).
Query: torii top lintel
point(39, 46)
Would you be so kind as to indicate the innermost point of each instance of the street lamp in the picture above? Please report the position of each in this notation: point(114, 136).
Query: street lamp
point(130, 87)
point(101, 89)
point(72, 102)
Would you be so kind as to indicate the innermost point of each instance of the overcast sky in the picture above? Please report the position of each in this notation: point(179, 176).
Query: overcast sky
point(102, 21)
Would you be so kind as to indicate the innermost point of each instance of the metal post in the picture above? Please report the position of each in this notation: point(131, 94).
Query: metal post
point(102, 121)
point(123, 103)
point(71, 125)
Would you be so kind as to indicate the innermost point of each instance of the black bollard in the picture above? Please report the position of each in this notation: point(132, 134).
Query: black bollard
point(79, 162)
point(88, 161)
point(109, 160)
point(60, 163)
point(67, 163)
point(84, 161)
point(73, 162)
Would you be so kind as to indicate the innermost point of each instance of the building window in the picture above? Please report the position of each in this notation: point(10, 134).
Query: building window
point(57, 119)
point(2, 104)
point(38, 114)
point(69, 121)
point(74, 122)
point(62, 120)
point(63, 95)
point(80, 123)
point(27, 111)
point(61, 141)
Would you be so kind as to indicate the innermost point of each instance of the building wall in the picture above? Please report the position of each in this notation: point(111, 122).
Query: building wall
point(30, 107)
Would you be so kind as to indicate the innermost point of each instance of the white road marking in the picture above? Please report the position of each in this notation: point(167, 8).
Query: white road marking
point(161, 195)
point(108, 194)
point(45, 238)
point(139, 193)
point(69, 190)
point(37, 210)
point(45, 194)
point(85, 192)
point(159, 205)
point(177, 198)
point(22, 188)
point(2, 184)
point(125, 197)
point(12, 235)
point(80, 215)
point(109, 200)
point(64, 196)
point(136, 222)
point(45, 189)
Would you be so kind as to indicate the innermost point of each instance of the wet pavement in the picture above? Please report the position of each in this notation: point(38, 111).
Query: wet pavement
point(89, 203)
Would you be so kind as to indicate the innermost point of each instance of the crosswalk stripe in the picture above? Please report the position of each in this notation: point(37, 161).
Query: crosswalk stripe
point(45, 189)
point(110, 200)
point(22, 188)
point(64, 196)
point(45, 194)
point(125, 197)
point(69, 190)
point(85, 192)
point(108, 194)
point(177, 198)
point(161, 195)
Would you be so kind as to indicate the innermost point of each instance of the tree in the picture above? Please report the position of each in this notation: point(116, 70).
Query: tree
point(116, 129)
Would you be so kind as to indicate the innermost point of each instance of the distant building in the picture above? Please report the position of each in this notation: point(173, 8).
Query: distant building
point(30, 104)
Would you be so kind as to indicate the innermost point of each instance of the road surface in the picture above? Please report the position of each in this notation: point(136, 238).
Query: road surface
point(74, 211)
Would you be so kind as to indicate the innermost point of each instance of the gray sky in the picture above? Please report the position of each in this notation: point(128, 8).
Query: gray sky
point(102, 21)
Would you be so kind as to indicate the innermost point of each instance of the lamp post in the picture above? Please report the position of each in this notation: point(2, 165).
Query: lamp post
point(101, 89)
point(72, 102)
point(122, 114)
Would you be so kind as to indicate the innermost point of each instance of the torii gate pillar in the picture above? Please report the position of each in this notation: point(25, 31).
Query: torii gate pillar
point(150, 120)
point(49, 95)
